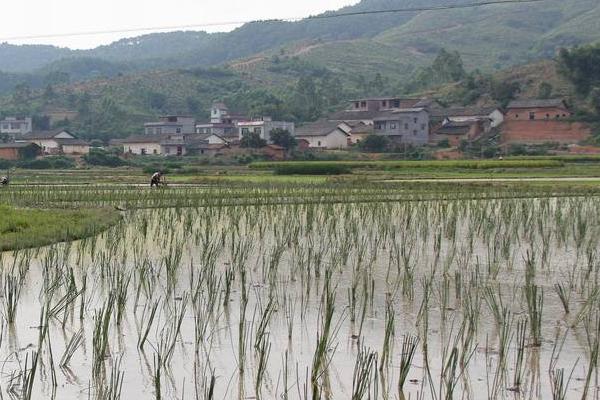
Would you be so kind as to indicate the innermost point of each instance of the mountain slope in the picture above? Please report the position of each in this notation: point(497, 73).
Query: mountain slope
point(487, 36)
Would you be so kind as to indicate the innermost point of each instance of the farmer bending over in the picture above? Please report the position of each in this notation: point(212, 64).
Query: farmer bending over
point(155, 180)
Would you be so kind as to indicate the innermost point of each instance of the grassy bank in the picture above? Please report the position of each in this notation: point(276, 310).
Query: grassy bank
point(26, 228)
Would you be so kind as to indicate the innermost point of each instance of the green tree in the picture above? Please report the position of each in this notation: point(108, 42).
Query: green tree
point(545, 90)
point(252, 140)
point(374, 143)
point(283, 138)
point(504, 92)
point(595, 99)
point(157, 101)
point(581, 65)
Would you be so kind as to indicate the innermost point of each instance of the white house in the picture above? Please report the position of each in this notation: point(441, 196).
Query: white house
point(59, 141)
point(142, 145)
point(325, 134)
point(16, 126)
point(263, 127)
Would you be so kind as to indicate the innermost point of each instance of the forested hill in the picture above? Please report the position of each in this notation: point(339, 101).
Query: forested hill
point(495, 35)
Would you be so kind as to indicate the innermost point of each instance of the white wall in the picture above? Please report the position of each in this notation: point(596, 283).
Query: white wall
point(76, 149)
point(136, 148)
point(334, 140)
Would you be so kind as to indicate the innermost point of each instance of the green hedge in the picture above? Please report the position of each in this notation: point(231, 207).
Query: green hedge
point(308, 168)
point(385, 165)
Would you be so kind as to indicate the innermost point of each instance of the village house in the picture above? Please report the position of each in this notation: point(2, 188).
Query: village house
point(359, 131)
point(169, 144)
point(19, 151)
point(171, 124)
point(142, 144)
point(463, 114)
point(536, 109)
point(538, 121)
point(325, 134)
point(456, 131)
point(59, 141)
point(403, 126)
point(222, 122)
point(367, 109)
point(15, 126)
point(263, 127)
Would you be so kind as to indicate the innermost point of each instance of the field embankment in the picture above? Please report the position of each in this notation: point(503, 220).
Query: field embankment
point(22, 228)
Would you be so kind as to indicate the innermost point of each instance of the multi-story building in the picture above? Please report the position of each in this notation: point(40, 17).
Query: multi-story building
point(16, 126)
point(222, 122)
point(403, 125)
point(263, 127)
point(171, 124)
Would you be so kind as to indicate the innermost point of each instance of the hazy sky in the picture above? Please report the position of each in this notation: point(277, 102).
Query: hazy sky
point(47, 17)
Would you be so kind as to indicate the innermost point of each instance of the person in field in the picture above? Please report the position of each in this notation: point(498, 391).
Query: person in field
point(155, 180)
point(4, 181)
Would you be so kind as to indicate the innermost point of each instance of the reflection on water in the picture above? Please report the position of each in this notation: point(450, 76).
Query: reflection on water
point(305, 301)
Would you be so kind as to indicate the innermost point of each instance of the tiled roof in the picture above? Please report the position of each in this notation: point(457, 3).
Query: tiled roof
point(19, 145)
point(319, 128)
point(463, 112)
point(455, 128)
point(537, 103)
point(41, 135)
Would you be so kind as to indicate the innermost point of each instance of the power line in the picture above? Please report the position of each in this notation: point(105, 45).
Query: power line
point(291, 19)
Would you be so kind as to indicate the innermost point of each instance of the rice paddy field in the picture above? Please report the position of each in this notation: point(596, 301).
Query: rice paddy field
point(328, 290)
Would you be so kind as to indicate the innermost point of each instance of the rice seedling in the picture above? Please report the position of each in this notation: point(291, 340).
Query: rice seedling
point(430, 256)
point(364, 379)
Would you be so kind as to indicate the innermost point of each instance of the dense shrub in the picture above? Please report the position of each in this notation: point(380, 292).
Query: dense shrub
point(103, 158)
point(50, 162)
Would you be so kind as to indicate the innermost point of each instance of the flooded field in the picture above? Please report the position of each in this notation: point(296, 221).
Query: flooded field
point(456, 299)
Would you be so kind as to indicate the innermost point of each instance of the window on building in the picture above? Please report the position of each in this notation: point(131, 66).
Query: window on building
point(172, 119)
point(532, 116)
point(395, 103)
point(154, 151)
point(423, 127)
point(179, 150)
point(258, 130)
point(178, 130)
point(167, 150)
point(143, 151)
point(363, 104)
point(415, 120)
point(547, 116)
point(406, 125)
point(319, 143)
point(392, 126)
point(357, 105)
point(564, 115)
point(557, 116)
point(516, 116)
point(384, 103)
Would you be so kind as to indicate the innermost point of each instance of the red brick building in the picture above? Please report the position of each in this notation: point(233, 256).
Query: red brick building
point(19, 151)
point(541, 121)
point(536, 110)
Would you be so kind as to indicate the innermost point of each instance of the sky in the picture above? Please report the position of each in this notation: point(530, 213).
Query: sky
point(50, 17)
